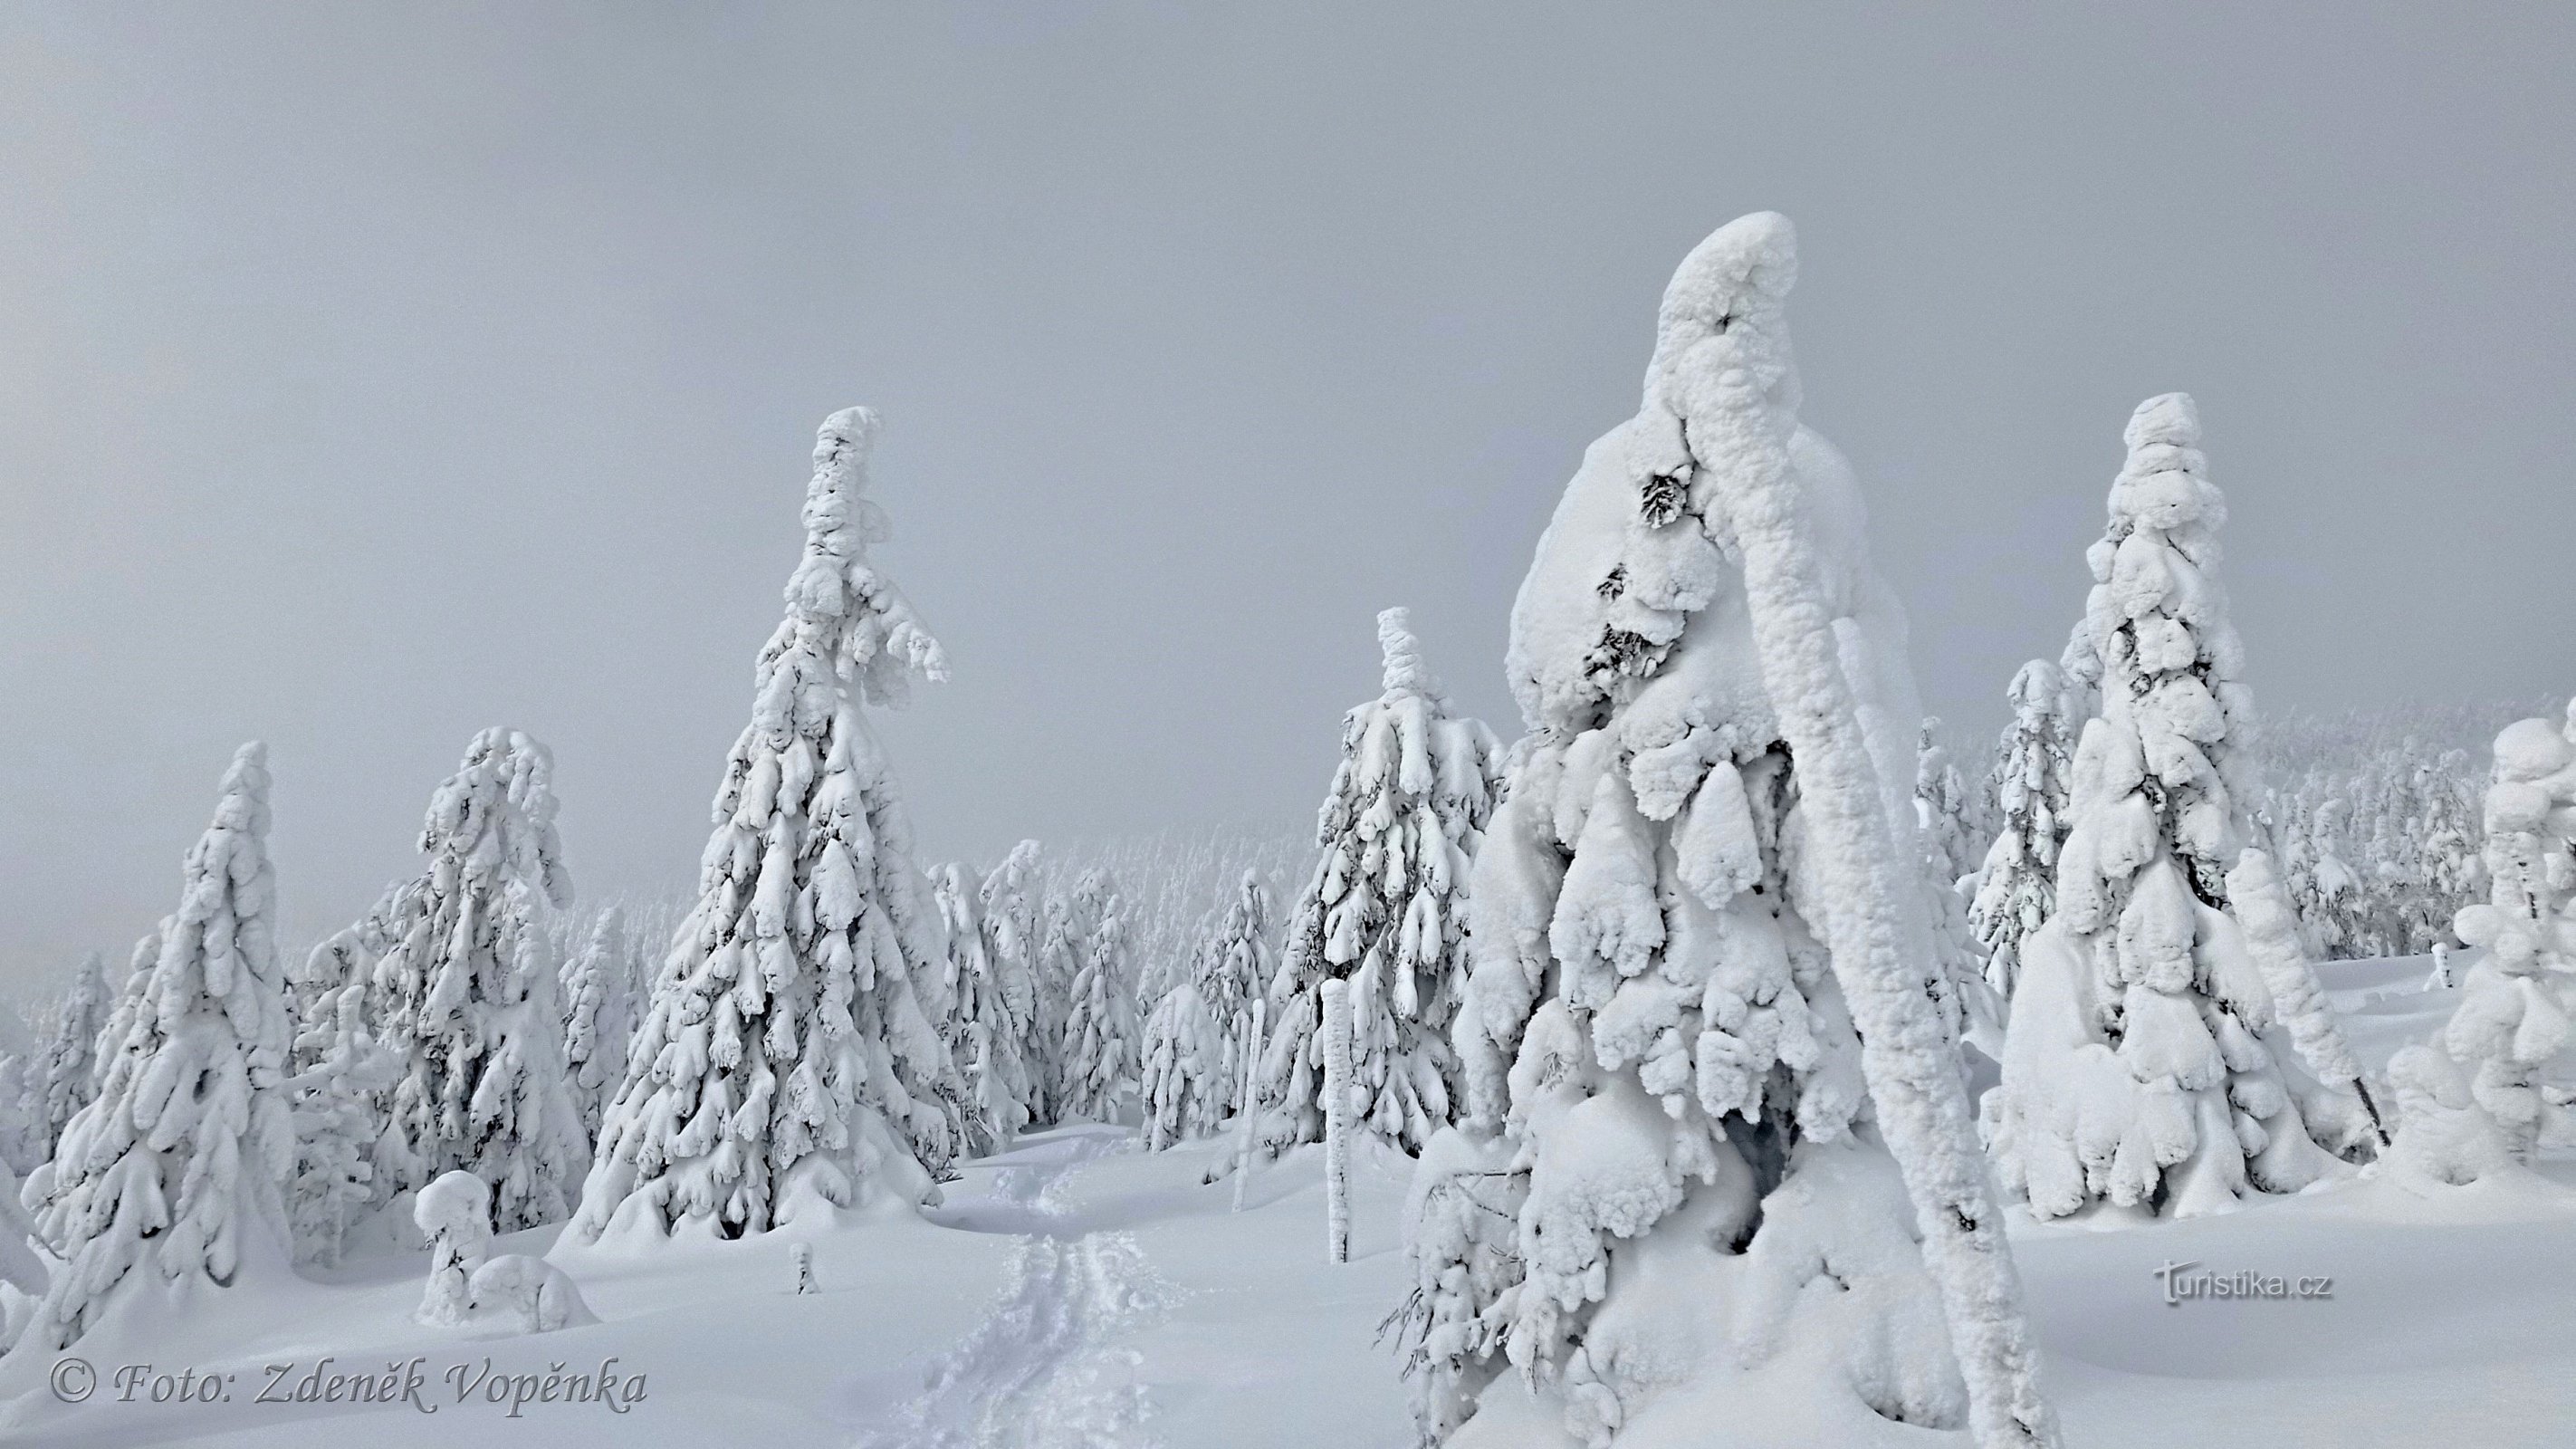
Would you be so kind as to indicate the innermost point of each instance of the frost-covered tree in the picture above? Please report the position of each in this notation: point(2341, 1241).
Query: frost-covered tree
point(1942, 807)
point(1705, 1021)
point(986, 1029)
point(1071, 918)
point(2169, 1050)
point(1013, 901)
point(2471, 1101)
point(1101, 1026)
point(169, 1178)
point(465, 994)
point(2017, 889)
point(1199, 1031)
point(67, 1070)
point(597, 1004)
point(786, 1064)
point(336, 1093)
point(1385, 909)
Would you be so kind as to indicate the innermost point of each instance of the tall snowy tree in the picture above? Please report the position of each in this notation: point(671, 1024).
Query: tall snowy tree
point(1013, 898)
point(169, 1178)
point(67, 1071)
point(2169, 1050)
point(1101, 1026)
point(1199, 1031)
point(1942, 808)
point(1071, 917)
point(465, 994)
point(2017, 889)
point(2471, 1100)
point(336, 1096)
point(1386, 910)
point(985, 1030)
point(596, 1003)
point(786, 1064)
point(1705, 1018)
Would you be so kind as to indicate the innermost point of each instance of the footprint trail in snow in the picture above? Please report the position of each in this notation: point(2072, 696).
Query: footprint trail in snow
point(1046, 1370)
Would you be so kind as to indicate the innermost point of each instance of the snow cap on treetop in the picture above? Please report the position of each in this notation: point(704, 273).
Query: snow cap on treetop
point(1404, 668)
point(1731, 290)
point(244, 805)
point(2530, 749)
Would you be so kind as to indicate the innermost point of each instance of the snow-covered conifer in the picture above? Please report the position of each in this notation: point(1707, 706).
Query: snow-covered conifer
point(984, 1031)
point(455, 1215)
point(169, 1177)
point(465, 994)
point(596, 1002)
point(1199, 1032)
point(1101, 1026)
point(1386, 909)
point(67, 1071)
point(1338, 1089)
point(1704, 1017)
point(2471, 1101)
point(2017, 890)
point(786, 1063)
point(1071, 917)
point(1013, 900)
point(2169, 1049)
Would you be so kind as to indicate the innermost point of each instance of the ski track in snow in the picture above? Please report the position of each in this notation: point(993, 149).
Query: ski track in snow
point(1046, 1369)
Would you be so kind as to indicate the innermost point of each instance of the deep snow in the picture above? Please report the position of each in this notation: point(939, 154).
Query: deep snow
point(1084, 1283)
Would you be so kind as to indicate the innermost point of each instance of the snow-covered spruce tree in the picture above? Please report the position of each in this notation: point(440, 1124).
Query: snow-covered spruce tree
point(1014, 901)
point(465, 994)
point(1385, 909)
point(984, 1031)
point(67, 1071)
point(2471, 1102)
point(336, 1092)
point(1705, 1019)
point(1942, 807)
point(1071, 917)
point(2017, 889)
point(597, 1023)
point(169, 1178)
point(1199, 1031)
point(786, 1064)
point(2169, 1050)
point(1101, 1026)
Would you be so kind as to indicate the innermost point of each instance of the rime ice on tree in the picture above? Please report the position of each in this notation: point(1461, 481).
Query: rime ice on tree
point(465, 994)
point(2169, 1049)
point(170, 1176)
point(2471, 1100)
point(1100, 1025)
point(66, 1075)
point(983, 1031)
point(596, 1004)
point(1706, 1024)
point(2017, 889)
point(786, 1061)
point(1199, 1034)
point(1385, 909)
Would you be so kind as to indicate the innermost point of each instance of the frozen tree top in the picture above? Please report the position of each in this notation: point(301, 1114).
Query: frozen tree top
point(847, 609)
point(1404, 667)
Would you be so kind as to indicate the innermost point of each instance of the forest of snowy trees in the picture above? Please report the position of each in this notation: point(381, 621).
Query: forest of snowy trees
point(1721, 1022)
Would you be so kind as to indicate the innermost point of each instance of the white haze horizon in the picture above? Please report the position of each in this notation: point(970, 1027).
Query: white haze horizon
point(369, 378)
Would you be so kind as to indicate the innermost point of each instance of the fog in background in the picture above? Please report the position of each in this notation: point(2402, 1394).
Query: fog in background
point(369, 375)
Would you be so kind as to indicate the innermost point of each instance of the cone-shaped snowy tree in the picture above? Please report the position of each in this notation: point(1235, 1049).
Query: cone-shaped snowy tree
point(169, 1178)
point(337, 1092)
point(785, 1063)
point(67, 1072)
point(984, 1034)
point(1386, 909)
point(2471, 1103)
point(465, 994)
point(1013, 898)
point(1706, 1018)
point(1070, 919)
point(1197, 1034)
point(2017, 891)
point(2169, 1049)
point(1101, 1026)
point(596, 1024)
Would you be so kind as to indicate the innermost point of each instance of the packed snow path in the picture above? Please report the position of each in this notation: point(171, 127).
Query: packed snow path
point(1048, 1369)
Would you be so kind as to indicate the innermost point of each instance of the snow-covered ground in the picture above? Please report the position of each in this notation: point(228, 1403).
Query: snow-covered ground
point(1078, 1292)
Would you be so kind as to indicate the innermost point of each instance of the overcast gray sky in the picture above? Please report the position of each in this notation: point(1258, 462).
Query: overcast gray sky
point(372, 374)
